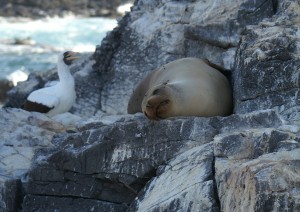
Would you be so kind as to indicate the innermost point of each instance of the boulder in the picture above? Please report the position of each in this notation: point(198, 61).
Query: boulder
point(183, 184)
point(268, 183)
point(267, 64)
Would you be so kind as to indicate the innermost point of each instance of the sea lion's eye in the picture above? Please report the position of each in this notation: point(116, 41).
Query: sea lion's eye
point(155, 92)
point(165, 102)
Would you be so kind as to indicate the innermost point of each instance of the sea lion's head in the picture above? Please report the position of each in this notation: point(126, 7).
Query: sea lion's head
point(158, 102)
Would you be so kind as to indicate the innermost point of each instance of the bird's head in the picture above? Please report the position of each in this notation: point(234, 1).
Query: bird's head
point(68, 57)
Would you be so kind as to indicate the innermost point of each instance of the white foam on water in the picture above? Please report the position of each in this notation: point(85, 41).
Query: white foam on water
point(122, 9)
point(47, 37)
point(17, 76)
point(65, 32)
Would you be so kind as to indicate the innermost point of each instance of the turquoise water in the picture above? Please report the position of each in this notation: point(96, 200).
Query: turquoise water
point(47, 38)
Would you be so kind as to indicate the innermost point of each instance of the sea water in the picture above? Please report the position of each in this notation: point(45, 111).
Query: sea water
point(44, 39)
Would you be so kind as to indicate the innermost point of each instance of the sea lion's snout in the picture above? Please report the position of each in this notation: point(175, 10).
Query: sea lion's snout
point(156, 107)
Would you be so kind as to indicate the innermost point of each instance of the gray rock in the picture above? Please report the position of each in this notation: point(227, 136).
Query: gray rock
point(254, 120)
point(10, 194)
point(251, 144)
point(22, 133)
point(156, 33)
point(38, 9)
point(186, 184)
point(50, 204)
point(5, 86)
point(88, 88)
point(113, 158)
point(267, 70)
point(95, 163)
point(268, 183)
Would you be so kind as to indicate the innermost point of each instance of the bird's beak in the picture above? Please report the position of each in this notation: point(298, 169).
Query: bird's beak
point(73, 56)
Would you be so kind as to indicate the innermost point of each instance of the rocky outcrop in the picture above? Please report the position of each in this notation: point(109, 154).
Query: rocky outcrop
point(156, 33)
point(38, 9)
point(248, 161)
point(267, 64)
point(5, 86)
point(204, 163)
point(22, 133)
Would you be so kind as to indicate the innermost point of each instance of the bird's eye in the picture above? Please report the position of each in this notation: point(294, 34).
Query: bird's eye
point(66, 54)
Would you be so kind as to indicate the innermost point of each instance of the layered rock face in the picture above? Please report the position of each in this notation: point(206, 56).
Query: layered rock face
point(248, 161)
point(157, 33)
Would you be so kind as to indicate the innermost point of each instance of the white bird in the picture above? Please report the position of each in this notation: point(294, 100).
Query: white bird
point(59, 98)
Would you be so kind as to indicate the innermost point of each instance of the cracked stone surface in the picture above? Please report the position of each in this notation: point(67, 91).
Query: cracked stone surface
point(183, 184)
point(109, 161)
point(267, 66)
point(22, 133)
point(194, 159)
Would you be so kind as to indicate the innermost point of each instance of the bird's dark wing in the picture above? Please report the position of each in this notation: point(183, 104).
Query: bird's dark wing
point(37, 107)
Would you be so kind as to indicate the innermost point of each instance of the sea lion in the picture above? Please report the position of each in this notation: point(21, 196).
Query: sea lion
point(184, 87)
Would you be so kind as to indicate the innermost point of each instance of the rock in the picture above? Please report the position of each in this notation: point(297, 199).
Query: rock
point(268, 183)
point(88, 84)
point(5, 86)
point(267, 73)
point(68, 120)
point(22, 134)
point(115, 168)
point(38, 9)
point(24, 41)
point(187, 183)
point(49, 204)
point(251, 144)
point(109, 160)
point(248, 161)
point(167, 30)
point(10, 194)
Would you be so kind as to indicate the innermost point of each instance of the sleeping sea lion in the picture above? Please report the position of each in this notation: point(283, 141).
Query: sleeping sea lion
point(184, 87)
